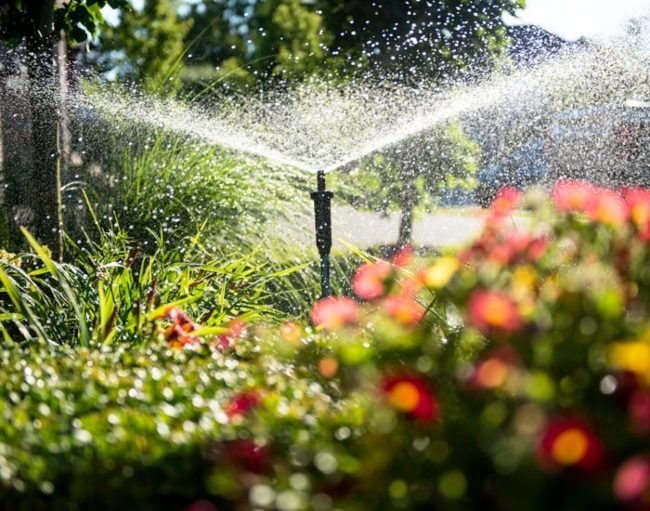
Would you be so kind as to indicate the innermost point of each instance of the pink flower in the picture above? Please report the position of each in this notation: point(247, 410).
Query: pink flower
point(493, 311)
point(403, 257)
point(333, 312)
point(404, 309)
point(236, 329)
point(411, 396)
point(572, 195)
point(506, 200)
point(632, 480)
point(369, 283)
point(607, 207)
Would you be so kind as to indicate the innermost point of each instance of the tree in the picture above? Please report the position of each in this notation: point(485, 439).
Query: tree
point(401, 178)
point(438, 39)
point(290, 37)
point(38, 24)
point(147, 45)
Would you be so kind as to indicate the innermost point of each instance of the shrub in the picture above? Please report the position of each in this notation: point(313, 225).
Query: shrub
point(514, 374)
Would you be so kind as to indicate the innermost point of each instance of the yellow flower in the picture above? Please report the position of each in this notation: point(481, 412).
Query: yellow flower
point(441, 272)
point(633, 356)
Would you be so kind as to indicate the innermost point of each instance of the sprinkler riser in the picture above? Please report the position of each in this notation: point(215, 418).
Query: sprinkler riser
point(323, 222)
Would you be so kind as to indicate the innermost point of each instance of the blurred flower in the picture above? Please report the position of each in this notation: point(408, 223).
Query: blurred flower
point(632, 481)
point(495, 369)
point(291, 332)
point(404, 309)
point(411, 395)
point(369, 283)
point(236, 329)
point(573, 195)
point(608, 207)
point(638, 203)
point(639, 411)
point(506, 200)
point(441, 272)
point(179, 333)
point(403, 257)
point(334, 312)
point(632, 356)
point(244, 453)
point(410, 286)
point(328, 367)
point(568, 442)
point(243, 402)
point(491, 310)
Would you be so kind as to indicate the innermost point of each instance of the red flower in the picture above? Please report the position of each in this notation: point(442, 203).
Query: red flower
point(369, 283)
point(411, 396)
point(639, 411)
point(404, 309)
point(242, 403)
point(179, 333)
point(332, 313)
point(491, 310)
point(572, 195)
point(569, 443)
point(632, 482)
point(638, 203)
point(607, 207)
point(506, 200)
point(243, 453)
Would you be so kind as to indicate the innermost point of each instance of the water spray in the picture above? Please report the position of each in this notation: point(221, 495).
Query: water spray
point(323, 216)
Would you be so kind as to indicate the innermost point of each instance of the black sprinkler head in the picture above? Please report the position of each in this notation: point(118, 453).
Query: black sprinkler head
point(323, 217)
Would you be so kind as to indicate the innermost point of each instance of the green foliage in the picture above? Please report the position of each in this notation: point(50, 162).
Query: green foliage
point(79, 19)
point(107, 296)
point(147, 46)
point(293, 34)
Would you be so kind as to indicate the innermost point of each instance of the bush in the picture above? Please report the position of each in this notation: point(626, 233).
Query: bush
point(512, 375)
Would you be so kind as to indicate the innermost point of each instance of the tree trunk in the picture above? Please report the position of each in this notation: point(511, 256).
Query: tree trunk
point(408, 200)
point(44, 99)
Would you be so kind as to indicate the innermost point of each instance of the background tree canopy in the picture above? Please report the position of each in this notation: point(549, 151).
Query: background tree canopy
point(243, 41)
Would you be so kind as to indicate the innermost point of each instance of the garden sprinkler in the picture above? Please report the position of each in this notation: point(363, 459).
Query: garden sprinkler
point(323, 216)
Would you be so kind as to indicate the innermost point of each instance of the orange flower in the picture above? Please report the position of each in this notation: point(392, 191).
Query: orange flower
point(493, 372)
point(333, 312)
point(569, 442)
point(632, 482)
point(290, 332)
point(411, 396)
point(490, 310)
point(179, 333)
point(369, 283)
point(638, 203)
point(404, 309)
point(328, 367)
point(608, 207)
